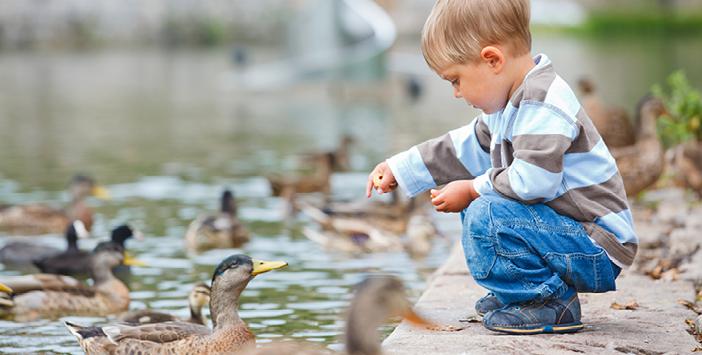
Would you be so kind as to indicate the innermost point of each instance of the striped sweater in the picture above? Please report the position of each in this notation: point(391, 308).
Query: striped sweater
point(541, 148)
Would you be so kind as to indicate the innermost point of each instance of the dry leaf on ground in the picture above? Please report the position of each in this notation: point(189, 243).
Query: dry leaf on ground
point(633, 305)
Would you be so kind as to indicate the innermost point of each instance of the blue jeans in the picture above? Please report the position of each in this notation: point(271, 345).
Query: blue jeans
point(531, 253)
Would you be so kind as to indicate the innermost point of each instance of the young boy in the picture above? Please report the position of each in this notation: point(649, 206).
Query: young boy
point(543, 206)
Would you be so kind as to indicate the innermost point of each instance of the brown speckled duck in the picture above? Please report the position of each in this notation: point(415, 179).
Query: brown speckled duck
point(42, 219)
point(686, 162)
point(48, 296)
point(374, 229)
point(229, 333)
point(612, 123)
point(199, 296)
point(222, 230)
point(641, 164)
point(318, 181)
point(377, 299)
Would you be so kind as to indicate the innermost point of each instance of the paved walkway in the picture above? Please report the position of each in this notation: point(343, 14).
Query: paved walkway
point(656, 327)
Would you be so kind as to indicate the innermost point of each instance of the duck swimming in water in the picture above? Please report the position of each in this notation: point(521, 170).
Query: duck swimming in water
point(23, 253)
point(229, 332)
point(29, 219)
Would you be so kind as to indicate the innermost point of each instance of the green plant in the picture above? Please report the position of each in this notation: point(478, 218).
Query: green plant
point(683, 121)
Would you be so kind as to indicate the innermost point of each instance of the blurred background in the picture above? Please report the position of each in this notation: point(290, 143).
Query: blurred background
point(167, 102)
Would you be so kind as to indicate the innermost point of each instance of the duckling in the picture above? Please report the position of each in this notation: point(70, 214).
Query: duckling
point(77, 262)
point(286, 186)
point(198, 297)
point(50, 296)
point(641, 164)
point(42, 219)
point(612, 123)
point(21, 253)
point(223, 230)
point(686, 162)
point(229, 332)
point(376, 299)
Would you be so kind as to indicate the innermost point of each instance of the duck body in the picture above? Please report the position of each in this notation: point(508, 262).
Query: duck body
point(642, 163)
point(222, 230)
point(76, 262)
point(318, 181)
point(34, 219)
point(612, 123)
point(687, 165)
point(198, 297)
point(228, 335)
point(49, 296)
point(371, 229)
point(22, 253)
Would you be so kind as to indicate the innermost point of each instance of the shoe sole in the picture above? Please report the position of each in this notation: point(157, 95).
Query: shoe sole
point(551, 329)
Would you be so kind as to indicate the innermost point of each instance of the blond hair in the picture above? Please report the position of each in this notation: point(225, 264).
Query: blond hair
point(457, 30)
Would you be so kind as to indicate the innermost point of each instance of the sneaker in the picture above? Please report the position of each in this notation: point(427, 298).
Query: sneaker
point(553, 316)
point(487, 303)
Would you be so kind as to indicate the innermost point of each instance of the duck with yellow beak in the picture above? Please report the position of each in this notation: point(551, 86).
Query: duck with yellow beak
point(37, 218)
point(229, 333)
point(51, 296)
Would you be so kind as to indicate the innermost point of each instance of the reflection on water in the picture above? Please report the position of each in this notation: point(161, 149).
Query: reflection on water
point(158, 128)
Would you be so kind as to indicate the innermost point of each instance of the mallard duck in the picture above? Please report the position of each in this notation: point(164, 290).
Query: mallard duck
point(366, 233)
point(376, 299)
point(77, 262)
point(43, 295)
point(318, 181)
point(686, 162)
point(228, 335)
point(612, 123)
point(21, 253)
point(641, 164)
point(41, 219)
point(223, 230)
point(198, 297)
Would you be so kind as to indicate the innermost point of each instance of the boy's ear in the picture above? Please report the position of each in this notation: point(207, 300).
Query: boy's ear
point(493, 57)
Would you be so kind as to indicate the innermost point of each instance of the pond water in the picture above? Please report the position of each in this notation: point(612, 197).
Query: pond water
point(165, 134)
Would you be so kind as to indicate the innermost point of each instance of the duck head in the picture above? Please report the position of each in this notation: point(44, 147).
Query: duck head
point(198, 298)
point(82, 186)
point(228, 204)
point(377, 298)
point(229, 279)
point(121, 233)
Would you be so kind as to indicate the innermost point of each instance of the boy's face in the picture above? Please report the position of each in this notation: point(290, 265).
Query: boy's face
point(479, 84)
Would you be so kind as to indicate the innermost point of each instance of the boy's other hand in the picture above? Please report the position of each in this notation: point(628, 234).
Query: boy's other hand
point(381, 179)
point(454, 197)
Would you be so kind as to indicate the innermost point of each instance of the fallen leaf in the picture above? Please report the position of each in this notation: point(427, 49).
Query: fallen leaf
point(690, 305)
point(628, 306)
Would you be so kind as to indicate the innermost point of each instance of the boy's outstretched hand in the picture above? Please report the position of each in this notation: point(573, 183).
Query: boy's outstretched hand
point(381, 179)
point(454, 197)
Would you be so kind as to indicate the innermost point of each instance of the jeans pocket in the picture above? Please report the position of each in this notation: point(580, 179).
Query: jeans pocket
point(480, 255)
point(585, 272)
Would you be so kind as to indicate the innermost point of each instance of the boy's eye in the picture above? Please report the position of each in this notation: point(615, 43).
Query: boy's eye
point(454, 82)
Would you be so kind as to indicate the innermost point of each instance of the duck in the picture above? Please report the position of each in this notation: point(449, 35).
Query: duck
point(222, 230)
point(51, 296)
point(198, 297)
point(642, 163)
point(22, 253)
point(33, 219)
point(319, 181)
point(376, 299)
point(686, 163)
point(612, 123)
point(228, 334)
point(76, 262)
point(364, 233)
